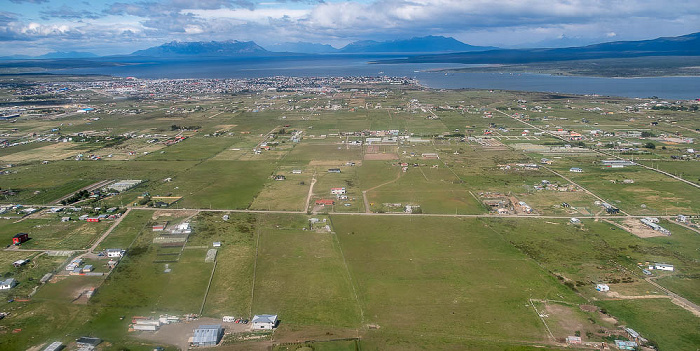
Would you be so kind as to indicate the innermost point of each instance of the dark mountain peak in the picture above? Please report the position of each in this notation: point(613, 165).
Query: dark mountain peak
point(431, 43)
point(203, 48)
point(302, 47)
point(67, 54)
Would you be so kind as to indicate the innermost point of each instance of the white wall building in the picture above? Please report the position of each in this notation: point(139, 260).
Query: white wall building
point(264, 321)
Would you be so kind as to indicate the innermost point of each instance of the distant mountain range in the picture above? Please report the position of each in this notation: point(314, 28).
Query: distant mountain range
point(686, 45)
point(429, 49)
point(422, 44)
point(200, 48)
point(429, 44)
point(303, 47)
point(52, 55)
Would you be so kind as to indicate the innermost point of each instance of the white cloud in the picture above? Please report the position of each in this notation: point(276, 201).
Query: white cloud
point(257, 15)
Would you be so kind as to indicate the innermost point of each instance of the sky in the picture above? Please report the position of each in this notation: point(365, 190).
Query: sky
point(105, 27)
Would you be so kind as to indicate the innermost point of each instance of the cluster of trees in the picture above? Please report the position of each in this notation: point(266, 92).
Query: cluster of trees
point(80, 195)
point(177, 127)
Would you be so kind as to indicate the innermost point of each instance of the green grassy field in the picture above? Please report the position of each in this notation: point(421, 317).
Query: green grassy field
point(438, 282)
point(669, 326)
point(409, 282)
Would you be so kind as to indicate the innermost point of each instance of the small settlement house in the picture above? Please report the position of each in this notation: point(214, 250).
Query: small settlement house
point(20, 238)
point(337, 191)
point(115, 252)
point(264, 321)
point(8, 284)
point(602, 287)
point(325, 202)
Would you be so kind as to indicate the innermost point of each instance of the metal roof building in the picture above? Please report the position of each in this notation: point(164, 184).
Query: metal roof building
point(264, 321)
point(54, 346)
point(207, 335)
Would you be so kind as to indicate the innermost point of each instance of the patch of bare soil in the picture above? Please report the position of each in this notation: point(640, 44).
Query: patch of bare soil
point(588, 308)
point(303, 334)
point(565, 318)
point(616, 295)
point(178, 334)
point(166, 213)
point(381, 157)
point(637, 228)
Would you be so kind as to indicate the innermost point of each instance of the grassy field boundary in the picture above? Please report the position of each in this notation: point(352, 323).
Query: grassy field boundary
point(349, 276)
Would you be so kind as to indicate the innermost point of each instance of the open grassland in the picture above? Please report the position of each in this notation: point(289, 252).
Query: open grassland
point(395, 282)
point(685, 285)
point(194, 148)
point(666, 324)
point(596, 252)
point(435, 190)
point(219, 184)
point(301, 275)
point(52, 234)
point(128, 229)
point(42, 183)
point(289, 194)
point(410, 273)
point(51, 152)
point(658, 193)
point(28, 275)
point(230, 292)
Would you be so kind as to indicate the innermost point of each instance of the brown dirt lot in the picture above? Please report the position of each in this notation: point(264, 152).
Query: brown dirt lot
point(381, 157)
point(637, 228)
point(57, 151)
point(178, 334)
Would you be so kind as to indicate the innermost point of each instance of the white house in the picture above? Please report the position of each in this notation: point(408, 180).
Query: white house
point(115, 252)
point(602, 287)
point(662, 267)
point(575, 170)
point(264, 321)
point(337, 191)
point(8, 284)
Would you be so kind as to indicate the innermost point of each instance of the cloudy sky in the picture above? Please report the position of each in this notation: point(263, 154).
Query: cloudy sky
point(34, 27)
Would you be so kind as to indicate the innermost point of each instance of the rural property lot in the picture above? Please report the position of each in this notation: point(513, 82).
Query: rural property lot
point(501, 248)
point(427, 282)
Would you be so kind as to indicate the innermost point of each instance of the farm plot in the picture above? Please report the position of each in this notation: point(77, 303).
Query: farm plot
point(52, 234)
point(288, 194)
point(410, 274)
point(230, 292)
point(435, 190)
point(51, 152)
point(219, 184)
point(301, 275)
point(658, 320)
point(650, 193)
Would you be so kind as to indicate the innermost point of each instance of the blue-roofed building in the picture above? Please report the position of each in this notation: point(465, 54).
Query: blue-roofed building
point(626, 345)
point(207, 335)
